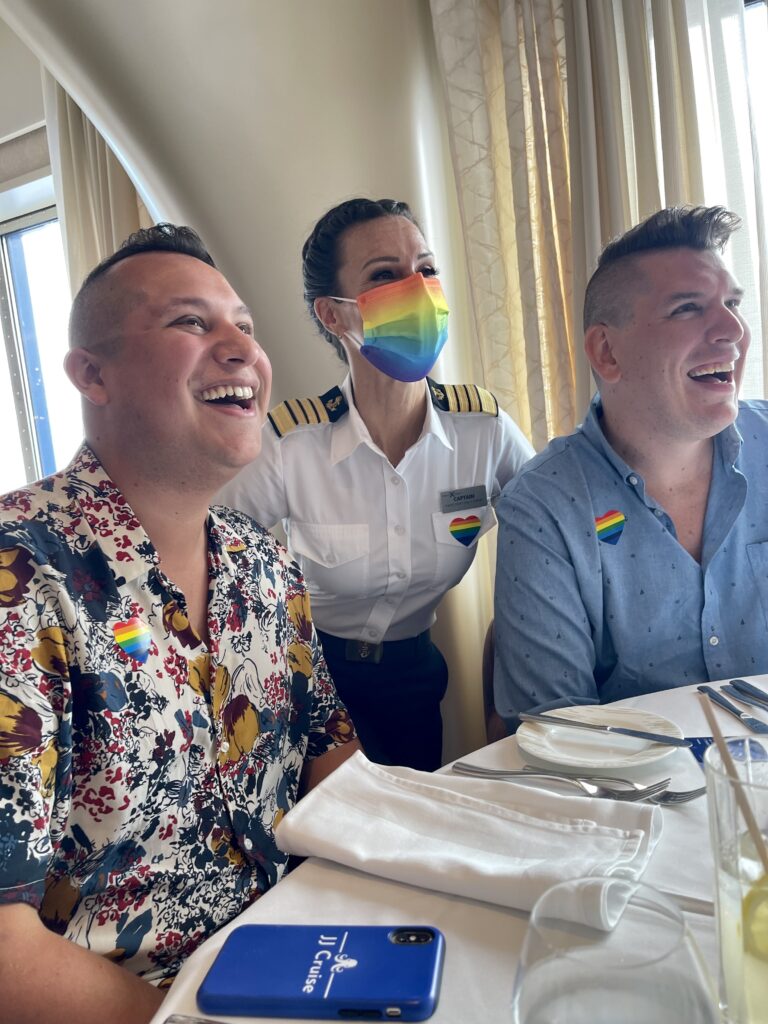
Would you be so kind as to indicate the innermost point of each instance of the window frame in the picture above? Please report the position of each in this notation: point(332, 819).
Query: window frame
point(20, 341)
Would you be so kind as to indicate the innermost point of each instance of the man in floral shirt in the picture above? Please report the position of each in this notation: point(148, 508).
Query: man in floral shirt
point(162, 693)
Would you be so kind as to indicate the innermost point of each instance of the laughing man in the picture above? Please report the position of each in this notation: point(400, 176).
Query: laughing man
point(162, 693)
point(633, 554)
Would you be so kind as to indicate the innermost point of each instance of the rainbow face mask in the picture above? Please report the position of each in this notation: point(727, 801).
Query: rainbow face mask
point(405, 325)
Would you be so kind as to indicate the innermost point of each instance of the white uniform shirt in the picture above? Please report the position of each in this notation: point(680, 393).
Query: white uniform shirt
point(376, 549)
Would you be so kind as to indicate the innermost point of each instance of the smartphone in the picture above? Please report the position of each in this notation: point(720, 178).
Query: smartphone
point(329, 972)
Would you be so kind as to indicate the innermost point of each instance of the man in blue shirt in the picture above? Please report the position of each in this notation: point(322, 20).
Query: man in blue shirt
point(633, 554)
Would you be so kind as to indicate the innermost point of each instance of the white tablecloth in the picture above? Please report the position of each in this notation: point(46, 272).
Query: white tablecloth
point(483, 941)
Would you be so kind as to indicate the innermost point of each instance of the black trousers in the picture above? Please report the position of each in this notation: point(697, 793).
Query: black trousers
point(395, 703)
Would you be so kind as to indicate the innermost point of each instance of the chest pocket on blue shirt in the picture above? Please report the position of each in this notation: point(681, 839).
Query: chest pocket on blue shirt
point(758, 560)
point(457, 534)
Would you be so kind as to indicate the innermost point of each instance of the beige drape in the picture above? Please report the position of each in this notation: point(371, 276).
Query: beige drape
point(658, 99)
point(97, 203)
point(503, 66)
point(571, 120)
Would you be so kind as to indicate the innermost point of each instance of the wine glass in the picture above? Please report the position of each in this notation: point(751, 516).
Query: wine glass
point(602, 950)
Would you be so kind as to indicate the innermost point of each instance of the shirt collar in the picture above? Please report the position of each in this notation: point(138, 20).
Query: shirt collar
point(728, 442)
point(350, 431)
point(433, 424)
point(117, 530)
point(594, 434)
point(109, 517)
point(223, 542)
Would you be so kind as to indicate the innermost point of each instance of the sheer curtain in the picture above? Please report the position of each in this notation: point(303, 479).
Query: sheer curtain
point(503, 67)
point(97, 203)
point(570, 120)
point(661, 113)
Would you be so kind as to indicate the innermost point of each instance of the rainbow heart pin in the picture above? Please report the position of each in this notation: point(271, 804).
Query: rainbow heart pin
point(134, 638)
point(465, 530)
point(610, 526)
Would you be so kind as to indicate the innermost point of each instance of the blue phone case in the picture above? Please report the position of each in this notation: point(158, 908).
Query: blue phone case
point(355, 972)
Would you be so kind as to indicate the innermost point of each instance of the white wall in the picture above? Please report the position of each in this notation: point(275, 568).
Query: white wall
point(21, 94)
point(248, 119)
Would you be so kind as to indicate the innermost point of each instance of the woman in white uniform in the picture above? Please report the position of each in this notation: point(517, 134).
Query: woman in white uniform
point(384, 485)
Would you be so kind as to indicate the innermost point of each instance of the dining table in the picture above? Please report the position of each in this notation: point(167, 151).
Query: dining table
point(482, 940)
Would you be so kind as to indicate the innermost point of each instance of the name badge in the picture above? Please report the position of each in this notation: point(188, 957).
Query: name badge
point(464, 497)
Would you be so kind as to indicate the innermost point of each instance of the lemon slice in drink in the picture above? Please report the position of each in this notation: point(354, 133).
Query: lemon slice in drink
point(754, 915)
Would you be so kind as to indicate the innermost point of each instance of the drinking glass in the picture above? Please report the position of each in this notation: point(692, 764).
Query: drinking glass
point(741, 885)
point(602, 950)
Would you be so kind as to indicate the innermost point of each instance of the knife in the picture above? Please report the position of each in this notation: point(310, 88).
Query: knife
point(743, 698)
point(753, 724)
point(672, 741)
point(753, 691)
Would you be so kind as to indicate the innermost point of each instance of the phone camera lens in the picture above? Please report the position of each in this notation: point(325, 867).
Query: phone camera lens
point(412, 936)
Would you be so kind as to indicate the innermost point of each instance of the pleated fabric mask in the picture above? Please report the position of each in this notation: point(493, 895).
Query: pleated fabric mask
point(405, 326)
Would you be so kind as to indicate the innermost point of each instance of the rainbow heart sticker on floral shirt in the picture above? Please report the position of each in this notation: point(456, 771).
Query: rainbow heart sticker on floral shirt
point(134, 638)
point(465, 530)
point(610, 526)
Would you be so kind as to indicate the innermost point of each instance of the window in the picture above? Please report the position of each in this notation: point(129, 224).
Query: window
point(40, 419)
point(755, 383)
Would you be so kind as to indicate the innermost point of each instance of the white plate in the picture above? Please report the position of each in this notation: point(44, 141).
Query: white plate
point(577, 748)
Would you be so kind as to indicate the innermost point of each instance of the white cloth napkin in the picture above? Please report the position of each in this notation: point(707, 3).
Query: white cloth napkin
point(596, 902)
point(487, 839)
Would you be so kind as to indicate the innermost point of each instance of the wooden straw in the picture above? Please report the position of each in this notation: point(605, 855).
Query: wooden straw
point(730, 768)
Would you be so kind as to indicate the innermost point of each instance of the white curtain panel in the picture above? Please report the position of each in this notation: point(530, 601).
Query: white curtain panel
point(503, 66)
point(97, 204)
point(571, 121)
point(663, 110)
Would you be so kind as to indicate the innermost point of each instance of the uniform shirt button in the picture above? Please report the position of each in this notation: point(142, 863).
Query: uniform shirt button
point(714, 641)
point(633, 480)
point(400, 575)
point(224, 746)
point(399, 530)
point(396, 481)
point(248, 843)
point(372, 632)
point(657, 512)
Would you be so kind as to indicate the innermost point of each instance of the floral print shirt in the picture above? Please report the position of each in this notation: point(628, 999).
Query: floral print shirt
point(143, 773)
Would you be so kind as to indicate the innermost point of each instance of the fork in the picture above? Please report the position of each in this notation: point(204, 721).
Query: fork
point(590, 787)
point(677, 796)
point(668, 796)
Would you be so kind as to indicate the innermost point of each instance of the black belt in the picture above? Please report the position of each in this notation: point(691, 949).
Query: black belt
point(391, 651)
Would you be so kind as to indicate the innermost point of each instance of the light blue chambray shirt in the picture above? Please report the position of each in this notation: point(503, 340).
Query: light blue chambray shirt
point(596, 600)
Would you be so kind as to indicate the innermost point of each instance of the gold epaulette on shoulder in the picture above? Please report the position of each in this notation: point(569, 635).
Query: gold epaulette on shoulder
point(462, 398)
point(307, 412)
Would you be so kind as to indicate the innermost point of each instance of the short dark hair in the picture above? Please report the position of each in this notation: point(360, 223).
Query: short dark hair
point(676, 227)
point(320, 253)
point(84, 319)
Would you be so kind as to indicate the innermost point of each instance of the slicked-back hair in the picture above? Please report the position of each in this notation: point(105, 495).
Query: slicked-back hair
point(610, 291)
point(320, 256)
point(172, 238)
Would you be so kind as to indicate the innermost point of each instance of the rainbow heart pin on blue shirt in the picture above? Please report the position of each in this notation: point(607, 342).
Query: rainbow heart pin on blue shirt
point(609, 527)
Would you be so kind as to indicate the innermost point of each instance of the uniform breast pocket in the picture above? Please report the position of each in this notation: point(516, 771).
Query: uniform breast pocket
point(334, 558)
point(456, 536)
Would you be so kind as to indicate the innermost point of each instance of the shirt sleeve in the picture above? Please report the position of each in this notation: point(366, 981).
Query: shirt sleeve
point(514, 450)
point(544, 651)
point(330, 724)
point(31, 659)
point(259, 489)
